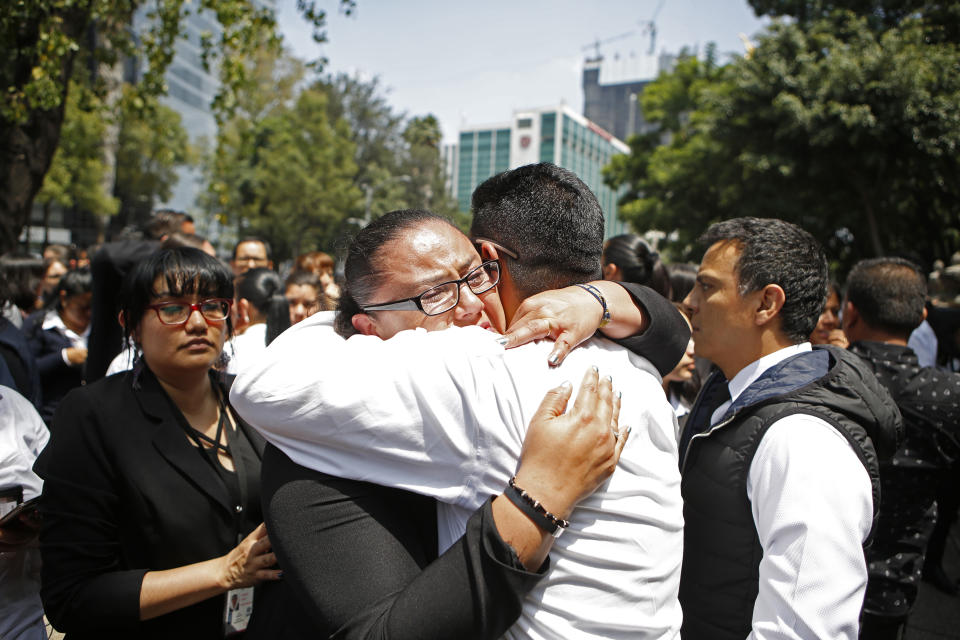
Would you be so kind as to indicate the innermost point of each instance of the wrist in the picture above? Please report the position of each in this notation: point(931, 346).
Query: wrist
point(549, 491)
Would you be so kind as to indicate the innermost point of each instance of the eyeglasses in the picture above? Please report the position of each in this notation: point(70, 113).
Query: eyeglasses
point(445, 296)
point(509, 252)
point(212, 310)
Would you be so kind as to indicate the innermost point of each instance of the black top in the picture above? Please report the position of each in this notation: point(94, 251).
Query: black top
point(929, 400)
point(56, 376)
point(125, 492)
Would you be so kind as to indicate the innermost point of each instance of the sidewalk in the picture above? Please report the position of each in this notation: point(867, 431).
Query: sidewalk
point(936, 615)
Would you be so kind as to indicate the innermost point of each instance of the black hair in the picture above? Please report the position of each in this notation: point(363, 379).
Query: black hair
point(638, 262)
point(889, 294)
point(185, 271)
point(549, 217)
point(263, 288)
point(163, 222)
point(683, 275)
point(20, 278)
point(181, 239)
point(266, 246)
point(74, 282)
point(363, 267)
point(776, 252)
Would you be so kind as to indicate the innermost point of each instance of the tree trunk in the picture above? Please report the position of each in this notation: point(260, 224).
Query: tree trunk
point(27, 148)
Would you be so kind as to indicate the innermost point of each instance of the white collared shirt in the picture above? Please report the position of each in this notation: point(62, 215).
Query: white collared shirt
point(812, 504)
point(52, 320)
point(444, 414)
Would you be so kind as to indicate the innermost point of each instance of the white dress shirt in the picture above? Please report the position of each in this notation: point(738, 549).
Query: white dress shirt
point(444, 414)
point(52, 320)
point(22, 436)
point(246, 347)
point(812, 504)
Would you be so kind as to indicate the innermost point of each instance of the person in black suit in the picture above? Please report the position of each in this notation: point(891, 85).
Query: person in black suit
point(58, 339)
point(151, 499)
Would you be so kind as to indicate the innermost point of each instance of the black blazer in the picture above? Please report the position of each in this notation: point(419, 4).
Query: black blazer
point(56, 376)
point(125, 492)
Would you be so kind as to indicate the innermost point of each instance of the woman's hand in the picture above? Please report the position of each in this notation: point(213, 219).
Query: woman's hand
point(571, 315)
point(76, 355)
point(249, 562)
point(566, 456)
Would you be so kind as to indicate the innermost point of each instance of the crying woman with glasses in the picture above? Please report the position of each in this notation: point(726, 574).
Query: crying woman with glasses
point(151, 519)
point(361, 560)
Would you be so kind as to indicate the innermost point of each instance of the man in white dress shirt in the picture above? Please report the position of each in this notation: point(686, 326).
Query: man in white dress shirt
point(779, 455)
point(444, 413)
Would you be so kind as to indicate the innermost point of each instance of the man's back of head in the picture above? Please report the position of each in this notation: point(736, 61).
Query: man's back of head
point(887, 296)
point(548, 218)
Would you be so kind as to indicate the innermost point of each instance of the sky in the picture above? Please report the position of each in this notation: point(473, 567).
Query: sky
point(475, 63)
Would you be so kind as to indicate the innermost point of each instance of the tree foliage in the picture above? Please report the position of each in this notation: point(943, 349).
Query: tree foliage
point(42, 40)
point(850, 131)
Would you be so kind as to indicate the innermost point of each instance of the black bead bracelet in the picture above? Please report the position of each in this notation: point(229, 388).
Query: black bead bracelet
point(534, 510)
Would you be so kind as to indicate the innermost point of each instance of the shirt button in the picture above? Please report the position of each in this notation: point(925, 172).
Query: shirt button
point(239, 508)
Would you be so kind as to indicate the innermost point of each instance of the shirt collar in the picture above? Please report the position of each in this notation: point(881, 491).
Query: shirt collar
point(746, 376)
point(52, 320)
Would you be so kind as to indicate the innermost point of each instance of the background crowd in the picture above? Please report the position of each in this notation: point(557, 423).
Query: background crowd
point(174, 541)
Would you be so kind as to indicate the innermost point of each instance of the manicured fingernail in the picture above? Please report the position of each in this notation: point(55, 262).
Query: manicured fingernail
point(620, 395)
point(554, 359)
point(594, 367)
point(609, 379)
point(629, 429)
point(502, 341)
point(566, 385)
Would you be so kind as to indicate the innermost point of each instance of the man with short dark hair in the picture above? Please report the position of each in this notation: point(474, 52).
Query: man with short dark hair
point(250, 253)
point(884, 304)
point(442, 413)
point(779, 454)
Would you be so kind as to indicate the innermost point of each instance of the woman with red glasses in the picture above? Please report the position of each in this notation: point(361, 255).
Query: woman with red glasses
point(151, 499)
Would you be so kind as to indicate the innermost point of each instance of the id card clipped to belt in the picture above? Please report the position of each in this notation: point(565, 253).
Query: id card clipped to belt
point(237, 611)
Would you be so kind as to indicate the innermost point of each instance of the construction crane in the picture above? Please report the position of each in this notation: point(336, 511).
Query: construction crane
point(650, 28)
point(596, 44)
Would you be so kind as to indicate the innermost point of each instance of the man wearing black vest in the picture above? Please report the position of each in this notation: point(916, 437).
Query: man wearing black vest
point(884, 304)
point(780, 454)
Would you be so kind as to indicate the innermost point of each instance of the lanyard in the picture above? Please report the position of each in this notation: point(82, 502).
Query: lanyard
point(232, 482)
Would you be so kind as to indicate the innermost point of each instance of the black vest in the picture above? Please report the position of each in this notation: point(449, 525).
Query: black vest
point(722, 552)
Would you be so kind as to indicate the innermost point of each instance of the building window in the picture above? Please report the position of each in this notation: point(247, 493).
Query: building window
point(524, 123)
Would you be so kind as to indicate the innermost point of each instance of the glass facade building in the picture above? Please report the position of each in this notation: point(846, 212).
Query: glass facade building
point(550, 134)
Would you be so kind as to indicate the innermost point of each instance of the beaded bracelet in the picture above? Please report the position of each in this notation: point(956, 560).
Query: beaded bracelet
point(592, 290)
point(534, 510)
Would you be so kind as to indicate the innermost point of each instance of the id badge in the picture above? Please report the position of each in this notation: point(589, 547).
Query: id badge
point(237, 611)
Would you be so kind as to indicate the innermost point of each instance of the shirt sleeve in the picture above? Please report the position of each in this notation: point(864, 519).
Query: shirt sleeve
point(400, 413)
point(812, 505)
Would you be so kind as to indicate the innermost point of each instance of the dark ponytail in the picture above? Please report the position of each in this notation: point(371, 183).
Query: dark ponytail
point(638, 262)
point(264, 290)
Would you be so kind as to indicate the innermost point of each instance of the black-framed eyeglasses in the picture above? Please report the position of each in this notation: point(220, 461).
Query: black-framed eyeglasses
point(445, 296)
point(212, 310)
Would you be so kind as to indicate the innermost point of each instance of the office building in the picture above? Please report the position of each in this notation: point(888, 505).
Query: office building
point(550, 134)
point(612, 88)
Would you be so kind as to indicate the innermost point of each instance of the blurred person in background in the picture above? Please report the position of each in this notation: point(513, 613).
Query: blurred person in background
point(54, 268)
point(683, 275)
point(250, 253)
point(18, 367)
point(264, 312)
point(22, 436)
point(181, 239)
point(683, 383)
point(321, 264)
point(828, 330)
point(22, 276)
point(58, 339)
point(109, 265)
point(151, 500)
point(628, 258)
point(304, 295)
point(883, 305)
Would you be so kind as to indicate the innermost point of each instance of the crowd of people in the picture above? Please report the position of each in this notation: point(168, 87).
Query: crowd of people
point(524, 432)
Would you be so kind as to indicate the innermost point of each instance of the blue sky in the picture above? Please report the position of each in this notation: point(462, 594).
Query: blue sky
point(474, 63)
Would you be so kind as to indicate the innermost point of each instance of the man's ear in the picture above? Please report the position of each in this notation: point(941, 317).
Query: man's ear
point(850, 317)
point(770, 302)
point(488, 251)
point(364, 324)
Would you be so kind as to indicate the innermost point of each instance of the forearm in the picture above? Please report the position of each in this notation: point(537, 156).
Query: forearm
point(165, 591)
point(626, 317)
